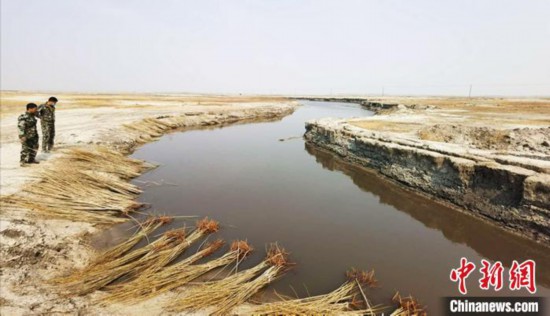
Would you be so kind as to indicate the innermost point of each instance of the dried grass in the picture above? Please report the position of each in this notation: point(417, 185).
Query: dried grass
point(229, 292)
point(203, 227)
point(206, 294)
point(150, 129)
point(333, 303)
point(164, 242)
point(408, 306)
point(363, 277)
point(146, 228)
point(208, 225)
point(84, 185)
point(144, 261)
point(102, 159)
point(178, 274)
point(94, 277)
point(341, 301)
point(147, 130)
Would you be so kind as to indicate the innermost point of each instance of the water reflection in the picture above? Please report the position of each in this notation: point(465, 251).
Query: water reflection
point(487, 240)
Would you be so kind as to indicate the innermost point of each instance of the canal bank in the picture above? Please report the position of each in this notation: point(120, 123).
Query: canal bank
point(511, 192)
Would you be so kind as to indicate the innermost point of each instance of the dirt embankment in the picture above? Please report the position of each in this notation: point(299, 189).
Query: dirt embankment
point(488, 157)
point(35, 248)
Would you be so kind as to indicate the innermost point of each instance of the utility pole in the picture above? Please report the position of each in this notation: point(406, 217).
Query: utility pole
point(383, 90)
point(470, 92)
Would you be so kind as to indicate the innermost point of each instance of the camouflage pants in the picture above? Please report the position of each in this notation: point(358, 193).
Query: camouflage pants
point(28, 149)
point(48, 135)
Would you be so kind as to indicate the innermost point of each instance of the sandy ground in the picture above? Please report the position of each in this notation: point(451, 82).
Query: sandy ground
point(484, 123)
point(413, 114)
point(33, 249)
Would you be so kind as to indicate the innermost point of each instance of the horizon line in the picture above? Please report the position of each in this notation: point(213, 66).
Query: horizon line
point(290, 95)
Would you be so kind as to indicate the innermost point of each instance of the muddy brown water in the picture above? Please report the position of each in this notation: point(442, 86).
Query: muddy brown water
point(329, 214)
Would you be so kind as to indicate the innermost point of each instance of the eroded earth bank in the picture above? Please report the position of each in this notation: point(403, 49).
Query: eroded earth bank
point(488, 157)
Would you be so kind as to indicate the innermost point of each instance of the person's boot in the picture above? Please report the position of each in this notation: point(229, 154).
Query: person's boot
point(33, 161)
point(23, 164)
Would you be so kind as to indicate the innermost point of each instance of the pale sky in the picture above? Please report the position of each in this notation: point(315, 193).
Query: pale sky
point(501, 47)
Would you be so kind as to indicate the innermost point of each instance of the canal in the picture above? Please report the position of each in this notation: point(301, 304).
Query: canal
point(264, 184)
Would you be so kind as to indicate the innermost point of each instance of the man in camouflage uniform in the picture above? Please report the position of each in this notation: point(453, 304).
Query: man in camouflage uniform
point(28, 135)
point(46, 113)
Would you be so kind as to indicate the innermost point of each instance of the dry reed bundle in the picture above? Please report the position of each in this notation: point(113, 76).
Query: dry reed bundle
point(338, 302)
point(142, 285)
point(408, 306)
point(148, 129)
point(362, 277)
point(94, 269)
point(205, 294)
point(168, 239)
point(146, 228)
point(278, 261)
point(83, 185)
point(333, 303)
point(100, 158)
point(152, 264)
point(179, 274)
point(78, 194)
point(56, 209)
point(143, 261)
point(97, 276)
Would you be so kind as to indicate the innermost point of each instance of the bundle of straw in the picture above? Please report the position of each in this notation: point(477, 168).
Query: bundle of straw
point(227, 293)
point(78, 195)
point(179, 274)
point(145, 285)
point(88, 185)
point(97, 276)
point(408, 306)
point(148, 129)
point(206, 294)
point(100, 158)
point(143, 261)
point(338, 302)
point(167, 240)
point(97, 268)
point(278, 260)
point(146, 228)
point(333, 303)
point(203, 227)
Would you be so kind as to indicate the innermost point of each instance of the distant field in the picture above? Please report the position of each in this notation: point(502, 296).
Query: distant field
point(15, 101)
point(482, 111)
